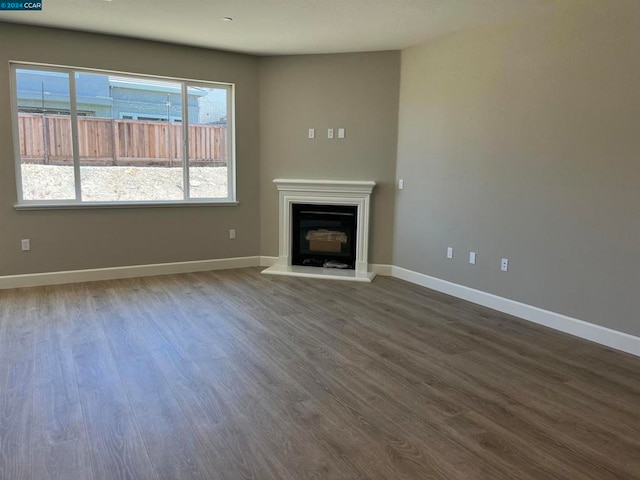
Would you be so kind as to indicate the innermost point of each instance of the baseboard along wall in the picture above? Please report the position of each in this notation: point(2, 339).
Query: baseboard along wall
point(579, 328)
point(112, 273)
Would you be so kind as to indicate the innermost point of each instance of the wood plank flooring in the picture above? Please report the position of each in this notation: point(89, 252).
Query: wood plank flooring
point(237, 375)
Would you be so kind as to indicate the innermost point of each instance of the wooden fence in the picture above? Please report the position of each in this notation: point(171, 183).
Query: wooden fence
point(105, 141)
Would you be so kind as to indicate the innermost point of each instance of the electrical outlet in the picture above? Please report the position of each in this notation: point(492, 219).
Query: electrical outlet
point(504, 264)
point(330, 133)
point(232, 233)
point(472, 258)
point(26, 244)
point(312, 133)
point(400, 184)
point(449, 252)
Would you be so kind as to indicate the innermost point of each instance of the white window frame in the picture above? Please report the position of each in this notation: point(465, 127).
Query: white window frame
point(73, 72)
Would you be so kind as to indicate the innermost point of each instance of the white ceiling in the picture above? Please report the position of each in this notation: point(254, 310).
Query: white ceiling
point(279, 27)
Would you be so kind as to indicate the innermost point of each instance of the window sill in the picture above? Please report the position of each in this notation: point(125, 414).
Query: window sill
point(112, 205)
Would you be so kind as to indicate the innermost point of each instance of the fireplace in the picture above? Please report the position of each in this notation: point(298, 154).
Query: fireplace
point(323, 235)
point(323, 223)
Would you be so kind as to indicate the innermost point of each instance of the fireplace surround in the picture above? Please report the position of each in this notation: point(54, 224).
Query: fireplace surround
point(345, 195)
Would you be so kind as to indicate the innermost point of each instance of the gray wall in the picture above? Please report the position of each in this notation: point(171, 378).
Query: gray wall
point(523, 141)
point(67, 240)
point(358, 92)
point(518, 141)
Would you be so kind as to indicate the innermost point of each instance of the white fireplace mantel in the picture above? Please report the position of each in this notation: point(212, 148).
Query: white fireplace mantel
point(324, 192)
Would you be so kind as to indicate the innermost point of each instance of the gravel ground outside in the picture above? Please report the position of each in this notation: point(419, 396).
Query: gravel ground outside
point(108, 184)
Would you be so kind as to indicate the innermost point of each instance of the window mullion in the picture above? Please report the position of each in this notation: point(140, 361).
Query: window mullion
point(16, 132)
point(185, 139)
point(74, 135)
point(231, 148)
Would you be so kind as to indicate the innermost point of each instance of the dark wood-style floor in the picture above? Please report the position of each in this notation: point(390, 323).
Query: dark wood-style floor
point(237, 375)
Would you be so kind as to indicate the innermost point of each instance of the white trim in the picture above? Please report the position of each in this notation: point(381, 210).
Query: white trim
point(320, 273)
point(138, 76)
point(589, 331)
point(186, 176)
point(332, 186)
point(75, 147)
point(323, 192)
point(72, 73)
point(31, 205)
point(232, 190)
point(374, 268)
point(15, 124)
point(75, 276)
point(579, 328)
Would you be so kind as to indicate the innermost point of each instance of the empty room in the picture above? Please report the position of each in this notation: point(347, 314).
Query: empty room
point(365, 239)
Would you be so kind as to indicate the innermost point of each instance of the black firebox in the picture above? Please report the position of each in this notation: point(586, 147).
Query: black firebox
point(324, 235)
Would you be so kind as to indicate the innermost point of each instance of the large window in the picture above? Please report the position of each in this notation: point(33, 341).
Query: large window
point(95, 137)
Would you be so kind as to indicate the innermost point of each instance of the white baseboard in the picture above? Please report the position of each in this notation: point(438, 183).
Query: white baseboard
point(131, 271)
point(589, 331)
point(111, 273)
